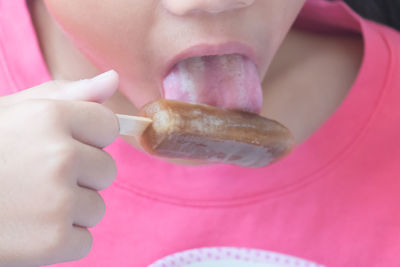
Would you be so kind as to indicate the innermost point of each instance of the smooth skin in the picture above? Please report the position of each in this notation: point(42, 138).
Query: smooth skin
point(304, 71)
point(52, 165)
point(49, 195)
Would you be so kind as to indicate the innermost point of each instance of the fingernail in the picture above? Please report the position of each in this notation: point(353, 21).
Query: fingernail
point(105, 76)
point(98, 88)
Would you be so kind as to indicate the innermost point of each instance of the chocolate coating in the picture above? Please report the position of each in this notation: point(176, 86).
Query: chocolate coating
point(202, 132)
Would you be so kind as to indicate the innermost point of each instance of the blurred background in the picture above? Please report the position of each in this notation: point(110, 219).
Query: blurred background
point(383, 11)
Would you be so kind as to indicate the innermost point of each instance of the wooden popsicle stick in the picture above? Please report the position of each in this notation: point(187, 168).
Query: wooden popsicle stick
point(132, 125)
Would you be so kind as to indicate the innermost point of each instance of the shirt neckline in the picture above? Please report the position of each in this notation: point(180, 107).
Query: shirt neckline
point(224, 185)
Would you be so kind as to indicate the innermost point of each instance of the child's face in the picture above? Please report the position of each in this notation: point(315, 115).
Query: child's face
point(141, 38)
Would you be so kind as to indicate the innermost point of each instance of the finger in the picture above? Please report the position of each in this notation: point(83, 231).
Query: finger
point(78, 244)
point(92, 123)
point(97, 89)
point(97, 169)
point(89, 207)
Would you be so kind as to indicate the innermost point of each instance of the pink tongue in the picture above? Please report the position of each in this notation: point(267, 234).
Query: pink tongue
point(226, 81)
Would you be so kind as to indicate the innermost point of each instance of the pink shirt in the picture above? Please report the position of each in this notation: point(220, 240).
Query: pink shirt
point(334, 200)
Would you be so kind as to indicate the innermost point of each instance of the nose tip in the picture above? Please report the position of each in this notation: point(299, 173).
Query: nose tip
point(185, 7)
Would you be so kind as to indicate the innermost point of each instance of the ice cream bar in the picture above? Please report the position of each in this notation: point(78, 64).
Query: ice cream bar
point(203, 132)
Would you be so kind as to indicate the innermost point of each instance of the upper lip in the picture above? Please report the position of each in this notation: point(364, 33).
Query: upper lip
point(205, 49)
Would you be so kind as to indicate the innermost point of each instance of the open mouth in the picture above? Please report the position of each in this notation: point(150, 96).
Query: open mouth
point(225, 80)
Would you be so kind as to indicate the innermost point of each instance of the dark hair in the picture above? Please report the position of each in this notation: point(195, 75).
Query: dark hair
point(383, 11)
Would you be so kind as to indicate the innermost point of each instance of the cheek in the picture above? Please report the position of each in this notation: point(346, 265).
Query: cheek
point(92, 25)
point(83, 24)
point(266, 25)
point(113, 36)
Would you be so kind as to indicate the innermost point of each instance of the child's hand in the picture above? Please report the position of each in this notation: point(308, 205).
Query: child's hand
point(51, 165)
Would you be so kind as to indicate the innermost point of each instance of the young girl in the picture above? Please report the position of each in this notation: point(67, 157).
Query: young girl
point(327, 74)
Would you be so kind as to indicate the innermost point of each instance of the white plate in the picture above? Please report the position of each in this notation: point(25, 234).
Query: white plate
point(231, 257)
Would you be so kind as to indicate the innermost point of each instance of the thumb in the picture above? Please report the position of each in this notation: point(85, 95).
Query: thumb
point(97, 89)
